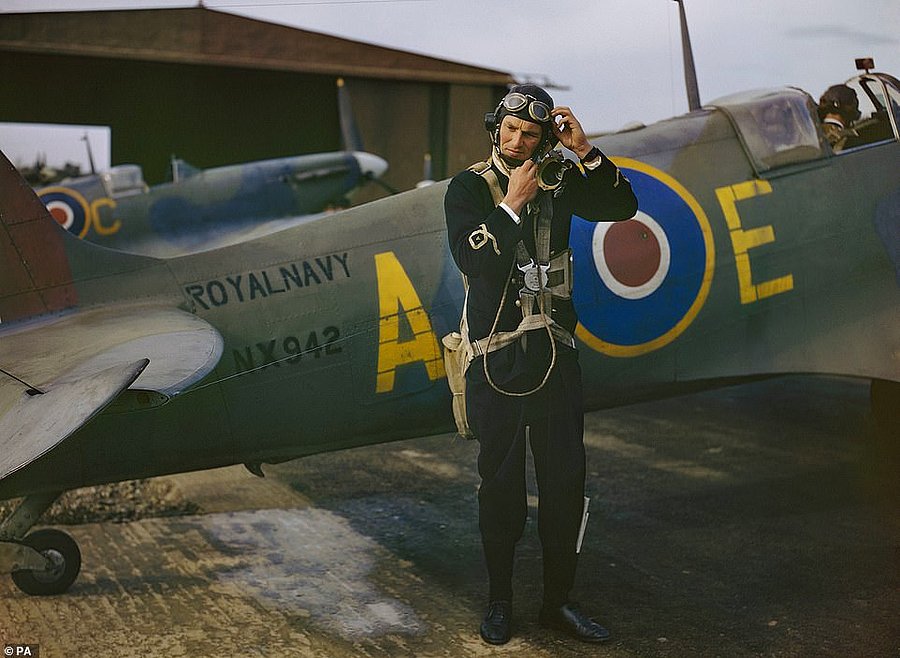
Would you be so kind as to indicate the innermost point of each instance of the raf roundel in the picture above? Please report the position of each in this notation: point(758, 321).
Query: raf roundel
point(632, 258)
point(69, 208)
point(640, 283)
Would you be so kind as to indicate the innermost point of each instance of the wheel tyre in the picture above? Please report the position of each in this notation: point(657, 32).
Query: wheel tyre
point(63, 551)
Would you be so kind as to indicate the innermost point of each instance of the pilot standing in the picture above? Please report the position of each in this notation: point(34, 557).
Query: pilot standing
point(509, 237)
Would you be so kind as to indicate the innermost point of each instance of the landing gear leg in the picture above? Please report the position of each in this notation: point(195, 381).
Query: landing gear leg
point(43, 562)
point(884, 396)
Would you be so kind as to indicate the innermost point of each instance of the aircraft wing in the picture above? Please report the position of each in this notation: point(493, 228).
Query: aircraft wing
point(58, 372)
point(34, 423)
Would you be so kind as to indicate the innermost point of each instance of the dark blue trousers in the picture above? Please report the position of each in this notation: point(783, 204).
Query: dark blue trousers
point(552, 422)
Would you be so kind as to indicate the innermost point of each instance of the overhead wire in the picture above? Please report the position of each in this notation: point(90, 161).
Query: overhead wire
point(308, 2)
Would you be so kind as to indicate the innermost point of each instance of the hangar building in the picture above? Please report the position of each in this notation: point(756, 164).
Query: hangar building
point(214, 88)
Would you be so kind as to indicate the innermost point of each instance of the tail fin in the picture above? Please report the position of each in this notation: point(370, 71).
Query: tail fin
point(35, 277)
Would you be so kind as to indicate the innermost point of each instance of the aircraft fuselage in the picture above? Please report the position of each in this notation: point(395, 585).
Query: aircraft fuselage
point(332, 329)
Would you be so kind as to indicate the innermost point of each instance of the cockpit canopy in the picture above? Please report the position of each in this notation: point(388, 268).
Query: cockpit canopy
point(780, 127)
point(879, 104)
point(777, 126)
point(124, 180)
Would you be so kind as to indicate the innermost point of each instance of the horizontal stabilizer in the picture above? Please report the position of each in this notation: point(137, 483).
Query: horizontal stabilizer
point(182, 348)
point(37, 422)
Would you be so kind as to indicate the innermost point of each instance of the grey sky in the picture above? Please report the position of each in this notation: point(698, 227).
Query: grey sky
point(620, 59)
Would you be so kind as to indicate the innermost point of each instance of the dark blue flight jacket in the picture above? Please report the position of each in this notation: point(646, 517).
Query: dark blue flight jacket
point(602, 194)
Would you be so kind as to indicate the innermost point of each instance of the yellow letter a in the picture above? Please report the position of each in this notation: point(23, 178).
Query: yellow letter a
point(395, 296)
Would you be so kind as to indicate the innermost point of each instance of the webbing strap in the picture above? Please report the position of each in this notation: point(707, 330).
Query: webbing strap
point(541, 211)
point(542, 214)
point(544, 210)
point(484, 170)
point(534, 321)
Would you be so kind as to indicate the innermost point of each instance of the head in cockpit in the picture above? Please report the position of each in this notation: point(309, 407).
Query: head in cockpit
point(838, 109)
point(839, 103)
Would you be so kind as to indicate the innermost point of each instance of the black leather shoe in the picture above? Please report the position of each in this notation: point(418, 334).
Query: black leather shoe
point(495, 628)
point(572, 621)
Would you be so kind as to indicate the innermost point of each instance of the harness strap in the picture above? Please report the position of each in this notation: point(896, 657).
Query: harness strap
point(535, 292)
point(551, 277)
point(484, 170)
point(536, 274)
point(530, 322)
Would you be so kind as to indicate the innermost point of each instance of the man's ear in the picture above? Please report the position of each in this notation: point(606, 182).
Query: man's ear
point(490, 122)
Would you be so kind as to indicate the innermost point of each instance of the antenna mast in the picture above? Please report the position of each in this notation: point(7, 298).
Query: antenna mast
point(90, 153)
point(690, 74)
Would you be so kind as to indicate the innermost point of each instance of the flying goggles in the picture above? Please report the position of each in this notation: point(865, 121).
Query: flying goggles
point(537, 110)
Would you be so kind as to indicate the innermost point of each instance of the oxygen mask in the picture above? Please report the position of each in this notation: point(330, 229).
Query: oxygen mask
point(551, 168)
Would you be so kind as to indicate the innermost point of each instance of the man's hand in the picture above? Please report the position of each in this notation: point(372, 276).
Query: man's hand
point(569, 132)
point(522, 186)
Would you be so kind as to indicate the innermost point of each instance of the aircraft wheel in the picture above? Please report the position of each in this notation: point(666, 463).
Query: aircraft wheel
point(885, 399)
point(65, 556)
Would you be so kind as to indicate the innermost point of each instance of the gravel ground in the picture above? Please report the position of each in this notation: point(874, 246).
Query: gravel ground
point(119, 502)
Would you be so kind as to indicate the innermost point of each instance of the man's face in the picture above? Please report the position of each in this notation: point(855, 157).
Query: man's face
point(518, 138)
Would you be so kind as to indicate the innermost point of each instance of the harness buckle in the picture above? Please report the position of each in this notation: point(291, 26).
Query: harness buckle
point(535, 276)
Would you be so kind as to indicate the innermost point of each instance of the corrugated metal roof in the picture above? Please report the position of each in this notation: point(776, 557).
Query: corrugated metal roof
point(203, 36)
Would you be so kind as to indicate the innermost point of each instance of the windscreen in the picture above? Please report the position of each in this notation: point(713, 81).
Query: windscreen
point(777, 127)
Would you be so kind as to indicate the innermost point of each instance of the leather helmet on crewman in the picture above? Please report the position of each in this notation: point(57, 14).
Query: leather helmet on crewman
point(527, 102)
point(840, 100)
